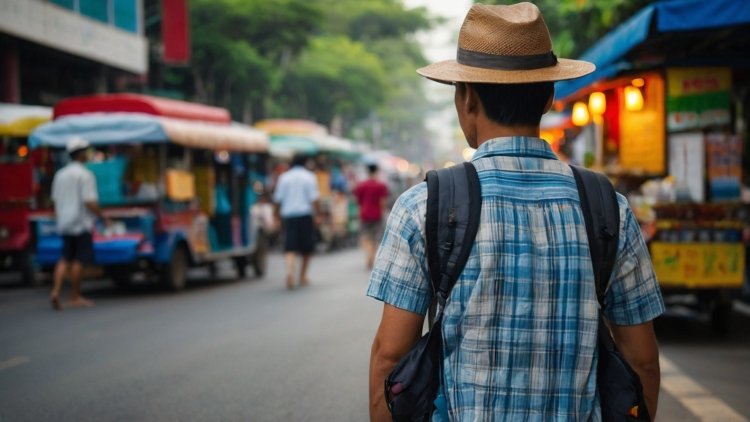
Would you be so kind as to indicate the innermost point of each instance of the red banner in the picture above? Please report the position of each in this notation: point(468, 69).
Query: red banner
point(175, 31)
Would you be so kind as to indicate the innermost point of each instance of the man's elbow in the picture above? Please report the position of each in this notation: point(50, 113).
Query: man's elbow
point(383, 358)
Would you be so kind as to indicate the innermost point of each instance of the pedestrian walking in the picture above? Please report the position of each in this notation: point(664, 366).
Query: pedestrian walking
point(519, 327)
point(296, 197)
point(371, 195)
point(76, 206)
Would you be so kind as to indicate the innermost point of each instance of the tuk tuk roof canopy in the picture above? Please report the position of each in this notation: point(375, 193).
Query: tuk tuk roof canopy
point(675, 17)
point(291, 127)
point(20, 120)
point(102, 129)
point(286, 146)
point(136, 103)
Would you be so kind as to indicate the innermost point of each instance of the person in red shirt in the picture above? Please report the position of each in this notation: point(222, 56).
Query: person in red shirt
point(371, 195)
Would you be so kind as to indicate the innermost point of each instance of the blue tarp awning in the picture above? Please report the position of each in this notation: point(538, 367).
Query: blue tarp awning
point(667, 16)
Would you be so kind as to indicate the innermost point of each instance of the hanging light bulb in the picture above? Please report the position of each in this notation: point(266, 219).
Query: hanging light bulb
point(580, 115)
point(633, 99)
point(597, 103)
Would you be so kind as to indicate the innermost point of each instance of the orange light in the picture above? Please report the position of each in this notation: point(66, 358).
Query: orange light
point(633, 99)
point(597, 103)
point(23, 151)
point(638, 82)
point(580, 114)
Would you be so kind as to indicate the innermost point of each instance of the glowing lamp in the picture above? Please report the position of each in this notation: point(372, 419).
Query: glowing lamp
point(633, 99)
point(580, 115)
point(597, 103)
point(23, 151)
point(638, 82)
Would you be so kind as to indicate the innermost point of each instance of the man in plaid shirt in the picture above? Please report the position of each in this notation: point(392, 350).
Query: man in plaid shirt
point(520, 325)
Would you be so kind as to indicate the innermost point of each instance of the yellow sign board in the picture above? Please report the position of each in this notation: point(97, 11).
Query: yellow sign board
point(698, 80)
point(699, 265)
point(642, 137)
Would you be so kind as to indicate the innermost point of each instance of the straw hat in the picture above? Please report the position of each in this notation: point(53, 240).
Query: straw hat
point(505, 45)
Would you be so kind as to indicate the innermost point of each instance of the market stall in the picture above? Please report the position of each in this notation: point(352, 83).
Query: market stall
point(665, 117)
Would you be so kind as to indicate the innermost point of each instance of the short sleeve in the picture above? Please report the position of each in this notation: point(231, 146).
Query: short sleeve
point(400, 276)
point(278, 193)
point(633, 296)
point(88, 186)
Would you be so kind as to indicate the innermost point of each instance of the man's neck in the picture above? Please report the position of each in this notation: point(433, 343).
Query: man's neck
point(492, 131)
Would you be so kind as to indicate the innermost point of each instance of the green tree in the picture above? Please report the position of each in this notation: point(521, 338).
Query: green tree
point(335, 77)
point(385, 29)
point(242, 49)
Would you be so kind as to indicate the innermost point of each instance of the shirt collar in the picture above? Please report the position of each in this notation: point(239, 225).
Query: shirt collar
point(515, 146)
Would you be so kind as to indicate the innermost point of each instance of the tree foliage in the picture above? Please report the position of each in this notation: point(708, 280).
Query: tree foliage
point(334, 77)
point(344, 61)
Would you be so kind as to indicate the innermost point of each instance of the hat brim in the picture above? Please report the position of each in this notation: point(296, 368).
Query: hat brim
point(450, 71)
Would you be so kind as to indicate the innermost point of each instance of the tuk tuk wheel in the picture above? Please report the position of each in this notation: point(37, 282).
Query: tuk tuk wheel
point(260, 257)
point(28, 269)
point(174, 273)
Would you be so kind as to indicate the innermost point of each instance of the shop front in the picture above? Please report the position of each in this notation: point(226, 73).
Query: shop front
point(665, 117)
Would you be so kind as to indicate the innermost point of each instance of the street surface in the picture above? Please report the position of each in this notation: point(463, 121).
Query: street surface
point(249, 350)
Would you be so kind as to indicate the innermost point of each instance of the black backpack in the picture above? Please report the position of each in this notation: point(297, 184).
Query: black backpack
point(620, 390)
point(454, 202)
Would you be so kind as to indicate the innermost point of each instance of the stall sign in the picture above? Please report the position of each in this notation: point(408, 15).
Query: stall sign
point(699, 265)
point(687, 166)
point(698, 97)
point(642, 135)
point(724, 166)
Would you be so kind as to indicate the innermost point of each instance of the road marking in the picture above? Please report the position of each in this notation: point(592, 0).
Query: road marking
point(741, 308)
point(699, 401)
point(14, 361)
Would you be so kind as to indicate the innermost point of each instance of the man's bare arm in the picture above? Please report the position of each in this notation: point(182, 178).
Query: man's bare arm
point(93, 206)
point(398, 332)
point(637, 343)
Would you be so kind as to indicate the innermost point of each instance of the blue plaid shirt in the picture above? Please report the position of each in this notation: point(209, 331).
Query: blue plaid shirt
point(520, 324)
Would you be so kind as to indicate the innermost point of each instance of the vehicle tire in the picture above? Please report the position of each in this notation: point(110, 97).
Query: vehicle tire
point(174, 273)
point(260, 257)
point(121, 276)
point(29, 275)
point(240, 264)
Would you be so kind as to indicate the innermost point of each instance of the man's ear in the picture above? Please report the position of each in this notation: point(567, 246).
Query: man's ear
point(471, 100)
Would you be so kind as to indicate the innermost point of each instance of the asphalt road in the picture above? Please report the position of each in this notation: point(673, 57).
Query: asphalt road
point(249, 350)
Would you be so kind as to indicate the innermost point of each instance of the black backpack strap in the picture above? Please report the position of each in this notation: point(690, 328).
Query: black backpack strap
point(454, 203)
point(601, 213)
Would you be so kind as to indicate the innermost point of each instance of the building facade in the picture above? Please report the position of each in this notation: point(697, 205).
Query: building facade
point(52, 49)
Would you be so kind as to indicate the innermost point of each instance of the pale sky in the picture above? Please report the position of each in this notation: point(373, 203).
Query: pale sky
point(440, 44)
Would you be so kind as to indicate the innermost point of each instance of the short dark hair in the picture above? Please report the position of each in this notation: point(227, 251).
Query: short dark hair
point(515, 104)
point(372, 168)
point(299, 160)
point(75, 154)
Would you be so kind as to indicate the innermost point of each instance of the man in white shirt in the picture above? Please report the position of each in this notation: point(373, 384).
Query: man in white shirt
point(296, 198)
point(76, 208)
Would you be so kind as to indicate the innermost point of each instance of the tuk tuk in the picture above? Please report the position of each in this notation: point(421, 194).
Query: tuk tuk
point(16, 199)
point(176, 178)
